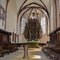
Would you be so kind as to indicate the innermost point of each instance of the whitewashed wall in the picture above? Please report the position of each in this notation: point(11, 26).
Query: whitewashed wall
point(11, 17)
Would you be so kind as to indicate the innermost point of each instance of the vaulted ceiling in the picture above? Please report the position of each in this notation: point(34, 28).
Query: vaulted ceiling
point(20, 2)
point(26, 6)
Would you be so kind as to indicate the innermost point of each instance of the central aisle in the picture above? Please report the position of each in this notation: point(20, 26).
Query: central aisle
point(34, 54)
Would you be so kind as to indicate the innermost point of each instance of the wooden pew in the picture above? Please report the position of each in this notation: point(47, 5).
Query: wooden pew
point(12, 47)
point(50, 53)
point(4, 39)
point(3, 51)
point(53, 49)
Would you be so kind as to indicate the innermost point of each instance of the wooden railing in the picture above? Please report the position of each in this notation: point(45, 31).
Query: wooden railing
point(5, 43)
point(55, 37)
point(53, 48)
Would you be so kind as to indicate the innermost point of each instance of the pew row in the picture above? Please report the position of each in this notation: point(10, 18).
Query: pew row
point(53, 46)
point(7, 48)
point(52, 55)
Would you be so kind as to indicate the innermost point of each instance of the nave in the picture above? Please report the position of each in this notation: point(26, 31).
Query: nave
point(33, 53)
point(30, 23)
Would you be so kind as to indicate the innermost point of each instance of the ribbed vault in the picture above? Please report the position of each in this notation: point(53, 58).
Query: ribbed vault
point(31, 5)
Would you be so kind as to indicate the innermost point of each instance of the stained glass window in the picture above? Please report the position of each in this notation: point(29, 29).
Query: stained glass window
point(23, 24)
point(43, 24)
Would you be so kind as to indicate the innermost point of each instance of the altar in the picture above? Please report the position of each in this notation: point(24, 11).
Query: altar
point(32, 30)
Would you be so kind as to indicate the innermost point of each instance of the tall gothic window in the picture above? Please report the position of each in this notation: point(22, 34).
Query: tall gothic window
point(2, 17)
point(43, 24)
point(23, 24)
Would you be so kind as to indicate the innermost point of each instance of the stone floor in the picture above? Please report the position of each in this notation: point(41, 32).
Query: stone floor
point(34, 54)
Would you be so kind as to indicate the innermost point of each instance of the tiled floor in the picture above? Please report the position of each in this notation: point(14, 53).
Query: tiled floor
point(34, 54)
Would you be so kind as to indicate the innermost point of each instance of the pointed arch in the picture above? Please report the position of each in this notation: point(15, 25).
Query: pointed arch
point(20, 10)
point(40, 11)
point(28, 10)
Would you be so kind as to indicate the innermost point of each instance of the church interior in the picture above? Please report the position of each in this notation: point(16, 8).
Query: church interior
point(34, 33)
